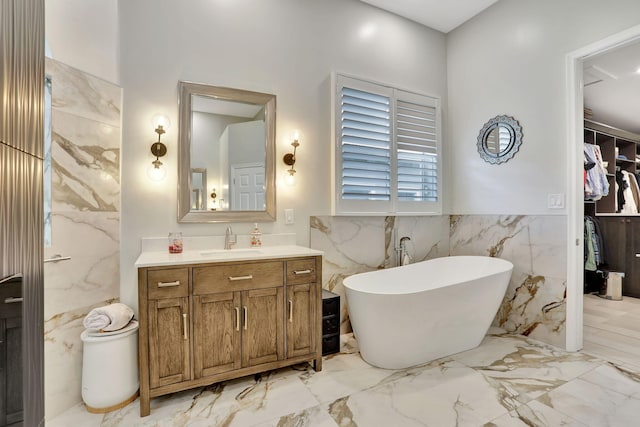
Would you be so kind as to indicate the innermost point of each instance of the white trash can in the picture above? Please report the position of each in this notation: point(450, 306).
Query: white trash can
point(612, 286)
point(110, 368)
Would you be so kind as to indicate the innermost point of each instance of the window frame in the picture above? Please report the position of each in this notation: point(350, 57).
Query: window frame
point(340, 206)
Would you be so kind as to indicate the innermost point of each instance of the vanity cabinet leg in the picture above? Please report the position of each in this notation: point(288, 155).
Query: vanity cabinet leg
point(317, 365)
point(145, 406)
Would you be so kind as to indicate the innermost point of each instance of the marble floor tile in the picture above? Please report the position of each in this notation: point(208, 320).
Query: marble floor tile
point(507, 381)
point(451, 397)
point(534, 414)
point(523, 369)
point(342, 376)
point(312, 417)
point(76, 416)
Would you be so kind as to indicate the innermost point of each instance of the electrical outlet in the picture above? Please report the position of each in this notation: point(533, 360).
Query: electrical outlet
point(288, 216)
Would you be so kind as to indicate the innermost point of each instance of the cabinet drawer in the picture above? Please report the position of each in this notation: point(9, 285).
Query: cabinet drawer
point(331, 306)
point(168, 283)
point(237, 277)
point(301, 271)
point(330, 325)
point(330, 344)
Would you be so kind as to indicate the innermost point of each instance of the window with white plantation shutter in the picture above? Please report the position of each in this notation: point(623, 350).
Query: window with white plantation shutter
point(387, 151)
point(365, 123)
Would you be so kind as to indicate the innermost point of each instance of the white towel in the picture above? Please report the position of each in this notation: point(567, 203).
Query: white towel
point(108, 318)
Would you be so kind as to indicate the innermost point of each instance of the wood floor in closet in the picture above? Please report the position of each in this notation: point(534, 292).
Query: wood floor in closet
point(612, 329)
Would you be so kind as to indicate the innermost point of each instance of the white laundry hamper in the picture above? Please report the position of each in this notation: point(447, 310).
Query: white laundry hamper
point(110, 368)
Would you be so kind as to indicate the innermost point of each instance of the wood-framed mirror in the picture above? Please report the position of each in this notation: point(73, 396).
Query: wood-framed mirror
point(228, 136)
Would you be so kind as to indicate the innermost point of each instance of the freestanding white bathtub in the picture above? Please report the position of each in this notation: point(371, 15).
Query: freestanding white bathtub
point(410, 315)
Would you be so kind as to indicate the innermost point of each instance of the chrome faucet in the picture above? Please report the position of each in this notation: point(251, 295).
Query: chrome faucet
point(229, 238)
point(402, 251)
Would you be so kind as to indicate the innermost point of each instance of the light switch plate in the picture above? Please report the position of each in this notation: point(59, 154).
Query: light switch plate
point(555, 201)
point(288, 216)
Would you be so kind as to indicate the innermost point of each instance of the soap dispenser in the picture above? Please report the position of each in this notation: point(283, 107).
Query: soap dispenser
point(256, 236)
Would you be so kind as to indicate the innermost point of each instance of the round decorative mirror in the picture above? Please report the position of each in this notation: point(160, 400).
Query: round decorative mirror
point(499, 139)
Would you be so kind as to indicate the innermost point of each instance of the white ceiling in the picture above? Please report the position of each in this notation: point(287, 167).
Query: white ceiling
point(612, 87)
point(442, 15)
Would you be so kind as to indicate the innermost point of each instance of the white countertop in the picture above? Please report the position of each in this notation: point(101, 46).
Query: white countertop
point(164, 258)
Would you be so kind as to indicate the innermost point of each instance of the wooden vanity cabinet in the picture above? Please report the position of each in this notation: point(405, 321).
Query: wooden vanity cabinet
point(301, 324)
point(205, 323)
point(238, 312)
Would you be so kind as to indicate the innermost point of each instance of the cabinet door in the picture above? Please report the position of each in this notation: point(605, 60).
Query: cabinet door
point(301, 320)
point(216, 327)
point(631, 280)
point(614, 231)
point(262, 328)
point(169, 361)
point(13, 338)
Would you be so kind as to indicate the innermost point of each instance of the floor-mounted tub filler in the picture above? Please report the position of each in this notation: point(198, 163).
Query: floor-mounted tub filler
point(410, 315)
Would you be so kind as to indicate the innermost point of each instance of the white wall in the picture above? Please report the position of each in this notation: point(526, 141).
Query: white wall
point(511, 60)
point(288, 48)
point(84, 34)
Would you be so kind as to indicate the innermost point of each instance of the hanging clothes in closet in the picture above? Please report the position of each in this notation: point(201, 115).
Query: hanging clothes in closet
point(627, 193)
point(595, 254)
point(596, 185)
point(594, 251)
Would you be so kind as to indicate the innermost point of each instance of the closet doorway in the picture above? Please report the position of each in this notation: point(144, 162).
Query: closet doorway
point(611, 303)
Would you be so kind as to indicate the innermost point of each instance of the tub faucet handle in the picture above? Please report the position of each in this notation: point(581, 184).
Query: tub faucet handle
point(403, 254)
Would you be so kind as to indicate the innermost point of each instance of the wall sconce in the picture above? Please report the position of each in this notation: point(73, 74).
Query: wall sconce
point(289, 159)
point(213, 199)
point(157, 171)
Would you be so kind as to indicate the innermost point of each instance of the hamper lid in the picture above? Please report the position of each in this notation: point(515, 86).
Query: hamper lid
point(131, 326)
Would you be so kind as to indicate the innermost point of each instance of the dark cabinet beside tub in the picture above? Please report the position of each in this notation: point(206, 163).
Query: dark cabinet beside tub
point(11, 412)
point(622, 237)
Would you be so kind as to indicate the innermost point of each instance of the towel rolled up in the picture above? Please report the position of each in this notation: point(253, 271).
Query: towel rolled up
point(109, 318)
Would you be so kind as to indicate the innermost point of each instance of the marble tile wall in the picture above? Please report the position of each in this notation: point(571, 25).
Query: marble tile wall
point(535, 301)
point(85, 222)
point(359, 244)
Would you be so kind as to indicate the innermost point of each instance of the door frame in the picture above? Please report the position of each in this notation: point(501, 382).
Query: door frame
point(575, 191)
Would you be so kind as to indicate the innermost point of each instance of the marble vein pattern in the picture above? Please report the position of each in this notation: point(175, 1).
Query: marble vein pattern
point(509, 380)
point(81, 94)
point(535, 301)
point(85, 221)
point(354, 245)
point(351, 245)
point(63, 357)
point(86, 164)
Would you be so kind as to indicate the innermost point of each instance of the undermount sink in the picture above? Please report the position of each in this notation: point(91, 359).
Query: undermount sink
point(231, 252)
